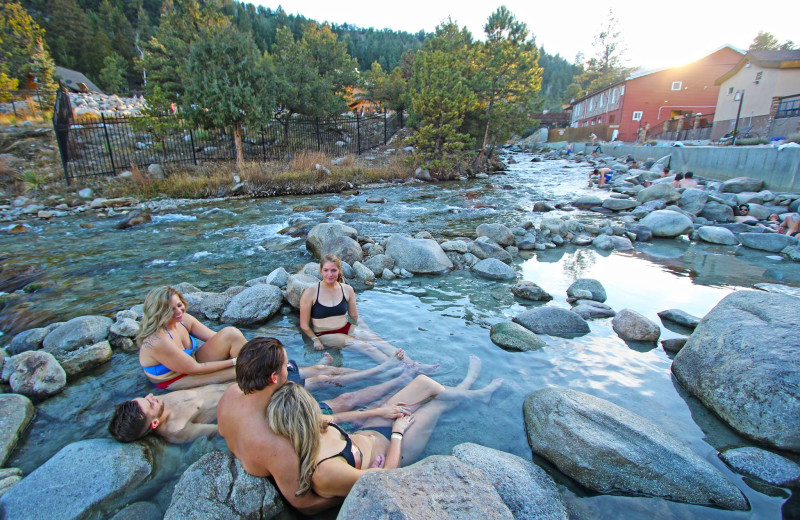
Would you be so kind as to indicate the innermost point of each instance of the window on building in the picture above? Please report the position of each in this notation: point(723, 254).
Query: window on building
point(730, 90)
point(612, 118)
point(789, 107)
point(614, 96)
point(677, 85)
point(602, 100)
point(591, 104)
point(622, 90)
point(637, 115)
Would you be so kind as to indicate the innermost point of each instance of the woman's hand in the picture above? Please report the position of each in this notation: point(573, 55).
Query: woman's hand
point(318, 344)
point(393, 411)
point(401, 424)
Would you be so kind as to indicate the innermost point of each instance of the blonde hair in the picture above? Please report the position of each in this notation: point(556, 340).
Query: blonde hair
point(294, 414)
point(331, 258)
point(157, 310)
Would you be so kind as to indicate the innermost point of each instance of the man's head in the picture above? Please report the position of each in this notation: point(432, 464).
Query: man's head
point(596, 171)
point(665, 171)
point(688, 175)
point(261, 362)
point(136, 418)
point(744, 209)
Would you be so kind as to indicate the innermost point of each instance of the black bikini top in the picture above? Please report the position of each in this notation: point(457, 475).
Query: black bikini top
point(347, 452)
point(319, 311)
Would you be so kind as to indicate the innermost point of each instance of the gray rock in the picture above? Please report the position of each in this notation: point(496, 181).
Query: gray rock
point(9, 477)
point(35, 374)
point(630, 325)
point(611, 450)
point(344, 247)
point(378, 263)
point(741, 184)
point(278, 277)
point(542, 207)
point(717, 235)
point(525, 488)
point(139, 511)
point(455, 246)
point(499, 234)
point(77, 332)
point(530, 291)
point(296, 285)
point(134, 218)
point(693, 200)
point(186, 288)
point(587, 202)
point(126, 314)
point(494, 269)
point(418, 256)
point(512, 336)
point(772, 242)
point(30, 339)
point(717, 211)
point(552, 321)
point(666, 223)
point(77, 361)
point(484, 248)
point(124, 344)
point(125, 327)
point(156, 171)
point(588, 284)
point(741, 362)
point(611, 242)
point(217, 487)
point(640, 233)
point(210, 304)
point(321, 233)
point(555, 226)
point(658, 191)
point(590, 309)
point(620, 204)
point(85, 193)
point(680, 317)
point(253, 305)
point(792, 253)
point(444, 489)
point(388, 275)
point(364, 273)
point(16, 412)
point(765, 465)
point(673, 344)
point(106, 469)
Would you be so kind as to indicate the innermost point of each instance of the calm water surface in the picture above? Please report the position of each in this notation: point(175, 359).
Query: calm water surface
point(217, 244)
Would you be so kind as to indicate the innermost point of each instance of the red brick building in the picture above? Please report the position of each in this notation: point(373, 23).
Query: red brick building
point(682, 96)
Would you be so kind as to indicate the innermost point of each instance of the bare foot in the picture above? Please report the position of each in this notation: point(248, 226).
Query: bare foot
point(473, 371)
point(485, 394)
point(327, 359)
point(400, 353)
point(421, 368)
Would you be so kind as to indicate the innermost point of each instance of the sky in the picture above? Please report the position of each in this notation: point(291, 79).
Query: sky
point(656, 34)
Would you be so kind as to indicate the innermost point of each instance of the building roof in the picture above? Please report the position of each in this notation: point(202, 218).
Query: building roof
point(765, 59)
point(72, 80)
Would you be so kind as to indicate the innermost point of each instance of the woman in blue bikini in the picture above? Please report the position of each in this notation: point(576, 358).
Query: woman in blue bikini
point(176, 351)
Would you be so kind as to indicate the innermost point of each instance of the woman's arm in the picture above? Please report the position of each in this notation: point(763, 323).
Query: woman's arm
point(196, 328)
point(352, 308)
point(358, 417)
point(306, 301)
point(394, 453)
point(180, 362)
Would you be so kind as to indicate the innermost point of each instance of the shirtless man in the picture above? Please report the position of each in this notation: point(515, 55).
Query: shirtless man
point(605, 175)
point(262, 368)
point(688, 181)
point(185, 415)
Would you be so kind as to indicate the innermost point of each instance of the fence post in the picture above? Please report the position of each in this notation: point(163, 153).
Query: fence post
point(191, 140)
point(400, 113)
point(14, 106)
point(358, 133)
point(108, 142)
point(385, 130)
point(319, 139)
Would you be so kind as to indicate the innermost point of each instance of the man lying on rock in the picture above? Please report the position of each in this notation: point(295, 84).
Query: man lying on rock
point(185, 415)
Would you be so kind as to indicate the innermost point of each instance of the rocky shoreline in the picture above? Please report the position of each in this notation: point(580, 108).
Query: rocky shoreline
point(749, 379)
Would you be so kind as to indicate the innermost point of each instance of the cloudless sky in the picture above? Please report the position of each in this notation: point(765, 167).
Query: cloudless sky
point(656, 34)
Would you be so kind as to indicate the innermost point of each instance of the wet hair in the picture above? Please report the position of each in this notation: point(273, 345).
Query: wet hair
point(294, 414)
point(129, 422)
point(157, 310)
point(678, 176)
point(688, 175)
point(596, 170)
point(331, 258)
point(257, 361)
point(666, 169)
point(744, 207)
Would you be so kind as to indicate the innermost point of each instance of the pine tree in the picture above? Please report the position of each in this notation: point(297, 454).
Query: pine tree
point(766, 41)
point(112, 76)
point(607, 66)
point(20, 37)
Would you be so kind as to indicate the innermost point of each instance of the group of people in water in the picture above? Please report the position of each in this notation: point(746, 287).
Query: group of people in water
point(268, 417)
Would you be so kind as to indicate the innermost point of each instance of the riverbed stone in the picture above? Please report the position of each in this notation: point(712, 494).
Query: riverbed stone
point(80, 360)
point(594, 287)
point(321, 233)
point(9, 477)
point(254, 305)
point(16, 412)
point(209, 304)
point(134, 218)
point(717, 235)
point(673, 344)
point(512, 336)
point(552, 321)
point(612, 242)
point(499, 234)
point(693, 200)
point(741, 185)
point(762, 464)
point(680, 317)
point(34, 374)
point(717, 211)
point(104, 469)
point(609, 449)
point(587, 202)
point(185, 288)
point(630, 325)
point(742, 363)
point(378, 263)
point(526, 489)
point(417, 255)
point(772, 242)
point(530, 291)
point(217, 487)
point(296, 285)
point(77, 332)
point(30, 339)
point(590, 309)
point(347, 249)
point(364, 273)
point(657, 191)
point(139, 511)
point(620, 204)
point(494, 269)
point(455, 246)
point(484, 247)
point(667, 223)
point(125, 327)
point(438, 487)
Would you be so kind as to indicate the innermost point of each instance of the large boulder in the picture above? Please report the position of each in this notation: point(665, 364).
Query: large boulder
point(418, 255)
point(217, 487)
point(209, 304)
point(717, 211)
point(612, 242)
point(82, 359)
point(772, 242)
point(741, 185)
point(552, 321)
point(609, 449)
point(667, 223)
point(499, 233)
point(30, 339)
point(693, 200)
point(530, 291)
point(512, 336)
point(587, 202)
point(525, 488)
point(590, 309)
point(484, 248)
point(620, 204)
point(494, 269)
point(682, 318)
point(344, 247)
point(630, 325)
point(658, 191)
point(78, 481)
point(35, 374)
point(762, 464)
point(717, 235)
point(16, 412)
point(254, 305)
point(598, 292)
point(321, 233)
point(296, 285)
point(378, 263)
point(743, 362)
point(439, 487)
point(78, 332)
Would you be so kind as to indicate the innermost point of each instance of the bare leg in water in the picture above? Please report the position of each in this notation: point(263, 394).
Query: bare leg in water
point(318, 376)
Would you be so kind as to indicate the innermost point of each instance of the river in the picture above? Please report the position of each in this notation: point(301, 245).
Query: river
point(215, 244)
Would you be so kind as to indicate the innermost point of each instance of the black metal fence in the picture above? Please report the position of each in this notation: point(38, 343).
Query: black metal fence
point(111, 144)
point(25, 101)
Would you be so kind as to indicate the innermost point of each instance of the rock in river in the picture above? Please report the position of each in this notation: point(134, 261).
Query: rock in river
point(35, 374)
point(494, 269)
point(667, 223)
point(512, 336)
point(630, 325)
point(254, 305)
point(16, 412)
point(553, 321)
point(765, 465)
point(418, 255)
point(78, 332)
point(609, 449)
point(743, 362)
point(530, 291)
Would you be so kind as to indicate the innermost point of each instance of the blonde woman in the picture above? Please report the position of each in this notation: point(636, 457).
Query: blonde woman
point(176, 351)
point(331, 461)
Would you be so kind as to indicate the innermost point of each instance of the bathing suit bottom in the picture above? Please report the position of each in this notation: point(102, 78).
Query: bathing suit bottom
point(163, 385)
point(342, 330)
point(386, 431)
point(294, 373)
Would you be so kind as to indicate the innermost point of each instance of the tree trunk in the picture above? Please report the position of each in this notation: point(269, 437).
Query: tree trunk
point(237, 140)
point(486, 133)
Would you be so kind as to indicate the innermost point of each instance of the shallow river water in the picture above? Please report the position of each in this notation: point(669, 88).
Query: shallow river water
point(216, 244)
